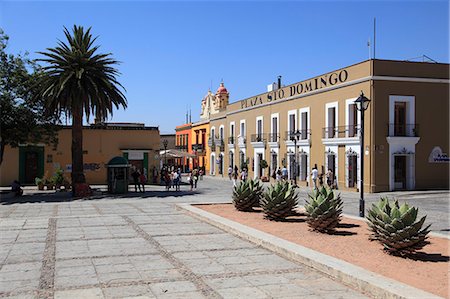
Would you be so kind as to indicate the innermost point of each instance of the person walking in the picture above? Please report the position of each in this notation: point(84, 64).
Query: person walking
point(244, 174)
point(135, 175)
point(143, 180)
point(191, 180)
point(195, 174)
point(329, 178)
point(284, 173)
point(167, 179)
point(230, 172)
point(176, 181)
point(314, 176)
point(235, 177)
point(278, 174)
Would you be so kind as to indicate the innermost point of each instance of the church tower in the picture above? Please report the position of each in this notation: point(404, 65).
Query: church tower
point(214, 103)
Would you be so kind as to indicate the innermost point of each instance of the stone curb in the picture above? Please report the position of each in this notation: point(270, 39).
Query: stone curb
point(363, 280)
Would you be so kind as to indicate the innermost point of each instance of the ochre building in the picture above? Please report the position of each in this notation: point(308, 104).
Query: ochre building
point(101, 142)
point(315, 123)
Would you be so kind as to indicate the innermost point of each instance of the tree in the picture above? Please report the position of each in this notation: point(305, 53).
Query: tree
point(77, 81)
point(21, 113)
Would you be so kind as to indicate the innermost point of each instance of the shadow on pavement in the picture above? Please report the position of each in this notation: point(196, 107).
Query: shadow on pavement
point(67, 196)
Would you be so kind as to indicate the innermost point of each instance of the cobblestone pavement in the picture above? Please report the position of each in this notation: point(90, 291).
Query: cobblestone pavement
point(141, 246)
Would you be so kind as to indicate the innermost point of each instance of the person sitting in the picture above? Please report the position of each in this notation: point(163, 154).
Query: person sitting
point(16, 188)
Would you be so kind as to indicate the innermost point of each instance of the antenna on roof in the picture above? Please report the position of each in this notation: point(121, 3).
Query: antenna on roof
point(374, 35)
point(368, 46)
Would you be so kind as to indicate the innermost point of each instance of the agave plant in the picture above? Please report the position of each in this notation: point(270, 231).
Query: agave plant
point(323, 210)
point(279, 201)
point(247, 194)
point(396, 227)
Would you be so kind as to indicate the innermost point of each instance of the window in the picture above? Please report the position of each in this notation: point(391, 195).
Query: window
point(291, 122)
point(352, 120)
point(304, 124)
point(259, 128)
point(303, 166)
point(331, 122)
point(274, 129)
point(400, 119)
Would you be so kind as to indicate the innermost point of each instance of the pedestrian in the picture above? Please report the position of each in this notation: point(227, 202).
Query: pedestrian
point(135, 175)
point(284, 173)
point(314, 176)
point(143, 180)
point(329, 176)
point(195, 173)
point(175, 180)
point(191, 180)
point(201, 172)
point(244, 174)
point(167, 180)
point(230, 172)
point(321, 180)
point(278, 175)
point(16, 188)
point(235, 177)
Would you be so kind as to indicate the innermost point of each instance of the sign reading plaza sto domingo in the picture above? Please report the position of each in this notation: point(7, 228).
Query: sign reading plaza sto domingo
point(297, 89)
point(316, 123)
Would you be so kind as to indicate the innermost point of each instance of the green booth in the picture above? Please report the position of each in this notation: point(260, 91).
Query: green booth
point(118, 174)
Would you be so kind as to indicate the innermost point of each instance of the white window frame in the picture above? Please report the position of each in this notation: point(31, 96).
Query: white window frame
point(336, 114)
point(292, 112)
point(349, 102)
point(308, 118)
point(261, 118)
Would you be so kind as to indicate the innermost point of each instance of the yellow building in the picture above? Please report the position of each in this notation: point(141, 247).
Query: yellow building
point(200, 132)
point(101, 142)
point(315, 123)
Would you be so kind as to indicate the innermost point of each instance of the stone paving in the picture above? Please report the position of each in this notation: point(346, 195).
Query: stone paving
point(142, 247)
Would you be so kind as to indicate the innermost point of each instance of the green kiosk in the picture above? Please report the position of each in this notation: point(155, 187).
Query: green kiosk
point(118, 174)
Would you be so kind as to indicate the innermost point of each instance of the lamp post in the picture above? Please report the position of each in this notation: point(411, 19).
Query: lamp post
point(295, 135)
point(362, 103)
point(165, 142)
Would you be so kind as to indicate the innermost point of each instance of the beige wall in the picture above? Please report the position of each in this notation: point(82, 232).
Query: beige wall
point(101, 146)
point(431, 114)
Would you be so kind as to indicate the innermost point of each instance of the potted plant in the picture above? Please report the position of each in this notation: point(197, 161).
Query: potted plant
point(39, 183)
point(49, 183)
point(263, 164)
point(58, 178)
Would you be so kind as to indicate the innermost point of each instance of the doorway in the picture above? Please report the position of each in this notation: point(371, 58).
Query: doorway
point(400, 172)
point(352, 171)
point(260, 170)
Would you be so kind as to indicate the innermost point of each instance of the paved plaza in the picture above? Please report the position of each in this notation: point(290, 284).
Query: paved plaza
point(141, 246)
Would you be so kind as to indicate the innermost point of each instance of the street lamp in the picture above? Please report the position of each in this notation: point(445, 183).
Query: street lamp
point(165, 142)
point(295, 135)
point(362, 103)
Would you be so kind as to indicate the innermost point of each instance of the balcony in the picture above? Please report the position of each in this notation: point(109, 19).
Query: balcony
point(231, 140)
point(181, 147)
point(211, 143)
point(242, 141)
point(403, 130)
point(273, 137)
point(304, 135)
point(198, 147)
point(258, 137)
point(340, 132)
point(220, 142)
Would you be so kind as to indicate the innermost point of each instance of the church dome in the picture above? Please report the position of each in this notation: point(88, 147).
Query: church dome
point(222, 89)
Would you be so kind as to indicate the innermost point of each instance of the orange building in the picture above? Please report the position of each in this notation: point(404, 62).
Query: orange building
point(183, 143)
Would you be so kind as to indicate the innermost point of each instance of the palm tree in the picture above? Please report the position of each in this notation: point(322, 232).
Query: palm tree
point(77, 81)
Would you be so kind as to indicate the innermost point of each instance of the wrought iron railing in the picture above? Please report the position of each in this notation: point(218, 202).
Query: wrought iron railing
point(258, 137)
point(403, 130)
point(297, 134)
point(231, 140)
point(273, 137)
point(340, 132)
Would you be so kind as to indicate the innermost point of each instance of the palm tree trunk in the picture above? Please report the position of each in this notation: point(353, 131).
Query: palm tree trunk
point(77, 146)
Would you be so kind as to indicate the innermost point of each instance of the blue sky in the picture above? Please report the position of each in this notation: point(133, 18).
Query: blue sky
point(172, 51)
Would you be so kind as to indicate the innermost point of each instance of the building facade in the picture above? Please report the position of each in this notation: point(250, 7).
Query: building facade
point(183, 143)
point(315, 122)
point(101, 142)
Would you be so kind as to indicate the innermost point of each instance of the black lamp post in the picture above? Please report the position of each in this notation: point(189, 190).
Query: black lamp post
point(362, 103)
point(295, 136)
point(165, 142)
